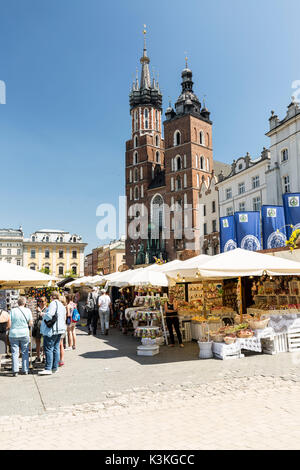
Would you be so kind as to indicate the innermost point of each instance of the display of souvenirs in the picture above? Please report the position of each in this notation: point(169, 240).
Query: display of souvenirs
point(280, 293)
point(43, 292)
point(212, 293)
point(178, 291)
point(195, 291)
point(8, 299)
point(147, 301)
point(139, 315)
point(230, 295)
point(148, 331)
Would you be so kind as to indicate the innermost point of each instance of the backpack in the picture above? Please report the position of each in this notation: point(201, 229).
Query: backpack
point(90, 306)
point(75, 315)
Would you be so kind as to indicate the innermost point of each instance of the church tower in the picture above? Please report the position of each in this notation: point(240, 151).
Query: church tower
point(144, 152)
point(188, 163)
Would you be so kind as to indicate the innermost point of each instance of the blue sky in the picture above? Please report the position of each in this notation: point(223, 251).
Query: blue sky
point(68, 66)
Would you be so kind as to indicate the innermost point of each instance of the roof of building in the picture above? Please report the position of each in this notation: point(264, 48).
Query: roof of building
point(244, 163)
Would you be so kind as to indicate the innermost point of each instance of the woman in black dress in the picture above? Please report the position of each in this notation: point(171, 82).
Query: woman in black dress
point(173, 320)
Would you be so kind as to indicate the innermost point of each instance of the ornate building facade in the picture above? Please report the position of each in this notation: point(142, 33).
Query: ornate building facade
point(164, 174)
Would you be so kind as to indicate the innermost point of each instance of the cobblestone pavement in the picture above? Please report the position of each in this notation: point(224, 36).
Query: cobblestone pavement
point(241, 409)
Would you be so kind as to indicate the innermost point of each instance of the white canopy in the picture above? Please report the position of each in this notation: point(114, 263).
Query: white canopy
point(238, 262)
point(188, 268)
point(81, 281)
point(149, 276)
point(14, 277)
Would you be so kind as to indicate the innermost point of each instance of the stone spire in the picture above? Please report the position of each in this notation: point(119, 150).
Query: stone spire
point(145, 74)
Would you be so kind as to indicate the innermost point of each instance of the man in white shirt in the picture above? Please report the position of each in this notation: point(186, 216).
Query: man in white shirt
point(104, 306)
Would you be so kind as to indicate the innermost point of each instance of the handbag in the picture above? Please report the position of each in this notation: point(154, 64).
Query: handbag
point(50, 323)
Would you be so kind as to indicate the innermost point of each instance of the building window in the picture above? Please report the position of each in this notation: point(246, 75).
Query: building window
point(286, 184)
point(18, 262)
point(241, 188)
point(33, 239)
point(204, 229)
point(47, 239)
point(32, 266)
point(201, 138)
point(135, 142)
point(135, 158)
point(61, 254)
point(47, 254)
point(157, 141)
point(178, 163)
point(256, 203)
point(214, 225)
point(241, 206)
point(61, 270)
point(201, 163)
point(228, 193)
point(178, 183)
point(74, 254)
point(32, 253)
point(204, 210)
point(284, 155)
point(136, 175)
point(74, 270)
point(146, 115)
point(177, 138)
point(255, 182)
point(8, 251)
point(157, 157)
point(213, 209)
point(136, 193)
point(229, 211)
point(18, 252)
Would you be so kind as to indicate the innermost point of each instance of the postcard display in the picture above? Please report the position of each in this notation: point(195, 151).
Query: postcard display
point(148, 322)
point(8, 299)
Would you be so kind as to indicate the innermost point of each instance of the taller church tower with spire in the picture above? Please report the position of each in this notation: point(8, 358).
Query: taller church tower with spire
point(144, 155)
point(165, 177)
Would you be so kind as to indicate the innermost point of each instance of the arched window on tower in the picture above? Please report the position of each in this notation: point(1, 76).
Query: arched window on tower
point(178, 163)
point(136, 121)
point(201, 163)
point(157, 141)
point(136, 193)
point(177, 138)
point(146, 116)
point(135, 158)
point(157, 211)
point(157, 157)
point(135, 141)
point(178, 183)
point(136, 175)
point(201, 138)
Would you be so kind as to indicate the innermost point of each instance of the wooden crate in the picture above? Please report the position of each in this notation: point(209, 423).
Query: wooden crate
point(293, 338)
point(275, 345)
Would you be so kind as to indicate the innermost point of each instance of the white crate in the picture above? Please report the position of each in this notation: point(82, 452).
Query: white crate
point(186, 331)
point(293, 339)
point(147, 350)
point(276, 344)
point(227, 351)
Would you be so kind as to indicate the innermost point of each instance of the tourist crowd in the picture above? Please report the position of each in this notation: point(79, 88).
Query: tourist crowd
point(53, 328)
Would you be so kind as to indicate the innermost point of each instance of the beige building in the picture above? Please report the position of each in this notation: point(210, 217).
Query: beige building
point(105, 259)
point(55, 251)
point(11, 245)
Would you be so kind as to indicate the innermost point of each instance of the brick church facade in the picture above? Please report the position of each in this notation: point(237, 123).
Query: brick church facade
point(164, 174)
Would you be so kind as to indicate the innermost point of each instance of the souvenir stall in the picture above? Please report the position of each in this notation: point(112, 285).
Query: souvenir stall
point(146, 312)
point(267, 284)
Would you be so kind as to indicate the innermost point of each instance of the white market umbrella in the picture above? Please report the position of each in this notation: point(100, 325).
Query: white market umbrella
point(147, 277)
point(81, 281)
point(121, 279)
point(238, 262)
point(15, 277)
point(97, 281)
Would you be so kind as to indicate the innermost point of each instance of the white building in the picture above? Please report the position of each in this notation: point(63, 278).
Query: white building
point(283, 175)
point(11, 246)
point(245, 188)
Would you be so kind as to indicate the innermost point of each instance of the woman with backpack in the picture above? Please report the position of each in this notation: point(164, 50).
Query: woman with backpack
point(71, 324)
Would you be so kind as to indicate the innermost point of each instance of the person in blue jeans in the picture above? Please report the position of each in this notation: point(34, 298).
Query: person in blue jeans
point(53, 334)
point(19, 323)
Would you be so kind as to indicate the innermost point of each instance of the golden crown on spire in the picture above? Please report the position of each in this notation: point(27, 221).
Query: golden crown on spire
point(144, 31)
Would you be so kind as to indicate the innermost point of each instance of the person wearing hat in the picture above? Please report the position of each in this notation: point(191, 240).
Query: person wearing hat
point(104, 307)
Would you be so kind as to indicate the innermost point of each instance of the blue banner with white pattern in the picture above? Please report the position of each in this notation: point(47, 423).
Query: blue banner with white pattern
point(273, 226)
point(291, 204)
point(247, 225)
point(227, 234)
